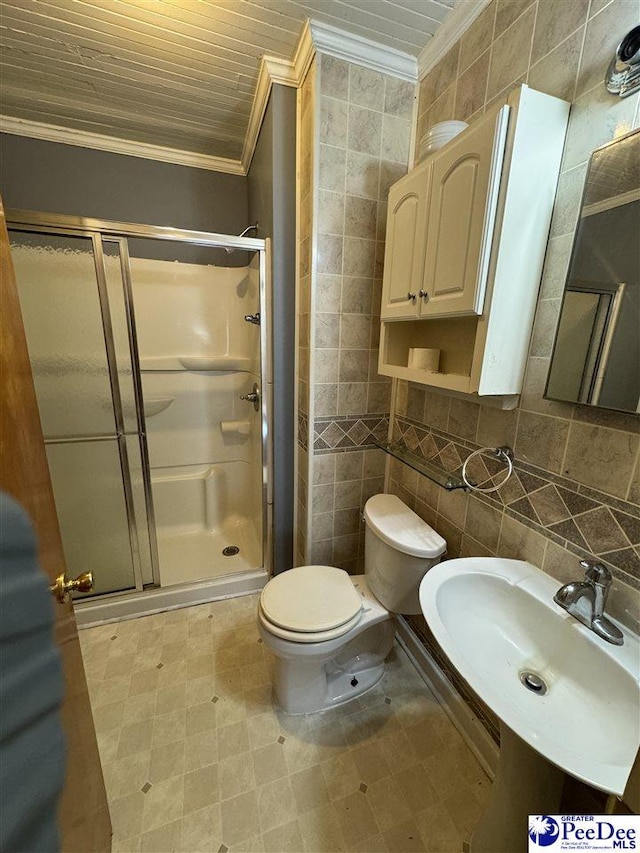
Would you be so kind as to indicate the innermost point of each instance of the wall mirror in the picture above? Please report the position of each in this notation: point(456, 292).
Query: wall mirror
point(596, 355)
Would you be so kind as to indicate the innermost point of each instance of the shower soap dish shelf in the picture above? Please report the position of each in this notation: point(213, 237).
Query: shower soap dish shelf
point(239, 427)
point(216, 362)
point(155, 405)
point(212, 363)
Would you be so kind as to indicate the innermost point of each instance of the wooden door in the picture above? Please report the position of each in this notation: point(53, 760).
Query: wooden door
point(84, 816)
point(461, 216)
point(404, 252)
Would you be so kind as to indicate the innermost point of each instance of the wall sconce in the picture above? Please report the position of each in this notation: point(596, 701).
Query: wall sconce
point(623, 75)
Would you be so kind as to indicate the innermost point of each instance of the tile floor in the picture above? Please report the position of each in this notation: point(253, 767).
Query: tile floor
point(196, 758)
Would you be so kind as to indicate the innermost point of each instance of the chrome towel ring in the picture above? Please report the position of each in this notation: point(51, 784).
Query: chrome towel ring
point(505, 453)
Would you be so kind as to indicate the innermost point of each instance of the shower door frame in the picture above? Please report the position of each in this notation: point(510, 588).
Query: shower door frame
point(100, 230)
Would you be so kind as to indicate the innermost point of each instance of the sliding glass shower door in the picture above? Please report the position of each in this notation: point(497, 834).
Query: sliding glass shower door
point(149, 350)
point(74, 305)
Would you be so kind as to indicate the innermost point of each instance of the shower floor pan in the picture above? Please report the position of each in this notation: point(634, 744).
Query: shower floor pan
point(200, 510)
point(194, 555)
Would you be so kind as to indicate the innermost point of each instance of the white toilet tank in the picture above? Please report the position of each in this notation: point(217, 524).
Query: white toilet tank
point(399, 549)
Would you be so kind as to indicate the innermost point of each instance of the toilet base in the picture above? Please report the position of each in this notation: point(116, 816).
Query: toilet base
point(303, 686)
point(340, 688)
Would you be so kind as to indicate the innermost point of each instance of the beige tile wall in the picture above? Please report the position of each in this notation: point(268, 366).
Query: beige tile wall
point(363, 129)
point(342, 484)
point(562, 48)
point(364, 132)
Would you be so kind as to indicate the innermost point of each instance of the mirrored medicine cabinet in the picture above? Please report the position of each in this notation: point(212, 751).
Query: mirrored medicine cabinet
point(596, 355)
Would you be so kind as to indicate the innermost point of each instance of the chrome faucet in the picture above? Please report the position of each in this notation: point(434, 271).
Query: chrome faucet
point(586, 600)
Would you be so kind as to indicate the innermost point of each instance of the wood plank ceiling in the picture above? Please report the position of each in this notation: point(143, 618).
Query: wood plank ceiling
point(177, 73)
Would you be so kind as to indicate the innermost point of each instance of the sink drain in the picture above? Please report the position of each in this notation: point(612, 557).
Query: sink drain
point(533, 682)
point(230, 551)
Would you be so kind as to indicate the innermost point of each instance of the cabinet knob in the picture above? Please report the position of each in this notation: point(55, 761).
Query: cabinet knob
point(423, 295)
point(411, 296)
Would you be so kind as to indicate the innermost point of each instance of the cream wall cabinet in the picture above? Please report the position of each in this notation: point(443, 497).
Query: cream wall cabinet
point(466, 233)
point(461, 216)
point(404, 252)
point(439, 225)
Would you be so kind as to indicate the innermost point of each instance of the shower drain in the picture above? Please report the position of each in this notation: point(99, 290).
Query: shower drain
point(230, 551)
point(533, 682)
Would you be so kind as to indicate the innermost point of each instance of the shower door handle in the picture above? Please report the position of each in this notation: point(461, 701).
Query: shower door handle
point(253, 397)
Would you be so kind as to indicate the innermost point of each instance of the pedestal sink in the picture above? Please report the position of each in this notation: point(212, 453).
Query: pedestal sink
point(568, 701)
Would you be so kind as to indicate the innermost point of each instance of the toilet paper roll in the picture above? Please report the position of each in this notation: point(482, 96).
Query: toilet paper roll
point(241, 427)
point(424, 359)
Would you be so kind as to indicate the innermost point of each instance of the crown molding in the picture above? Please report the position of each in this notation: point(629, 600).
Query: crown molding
point(280, 70)
point(115, 145)
point(304, 53)
point(258, 108)
point(363, 51)
point(458, 22)
point(272, 70)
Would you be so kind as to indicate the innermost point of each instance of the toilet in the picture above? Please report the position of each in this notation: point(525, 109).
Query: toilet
point(331, 632)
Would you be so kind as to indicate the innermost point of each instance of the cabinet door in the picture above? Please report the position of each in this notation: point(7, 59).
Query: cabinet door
point(405, 244)
point(461, 216)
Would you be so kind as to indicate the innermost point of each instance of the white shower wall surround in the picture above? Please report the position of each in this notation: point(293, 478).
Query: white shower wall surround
point(204, 442)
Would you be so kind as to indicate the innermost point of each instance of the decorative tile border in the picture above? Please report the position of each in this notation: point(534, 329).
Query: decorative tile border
point(575, 517)
point(351, 432)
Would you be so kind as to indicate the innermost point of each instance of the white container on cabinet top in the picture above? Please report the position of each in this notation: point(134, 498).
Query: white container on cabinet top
point(466, 238)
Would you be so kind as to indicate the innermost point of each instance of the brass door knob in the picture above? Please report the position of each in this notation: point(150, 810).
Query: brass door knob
point(63, 586)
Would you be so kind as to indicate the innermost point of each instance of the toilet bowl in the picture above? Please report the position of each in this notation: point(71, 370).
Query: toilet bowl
point(331, 632)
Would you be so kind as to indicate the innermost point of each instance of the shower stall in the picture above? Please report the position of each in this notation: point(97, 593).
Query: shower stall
point(149, 352)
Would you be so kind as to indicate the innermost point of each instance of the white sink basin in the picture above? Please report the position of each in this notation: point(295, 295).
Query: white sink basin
point(496, 618)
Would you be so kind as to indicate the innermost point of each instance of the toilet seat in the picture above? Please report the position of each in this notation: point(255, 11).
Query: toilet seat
point(308, 636)
point(310, 604)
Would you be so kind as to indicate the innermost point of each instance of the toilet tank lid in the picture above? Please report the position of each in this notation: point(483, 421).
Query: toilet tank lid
point(397, 525)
